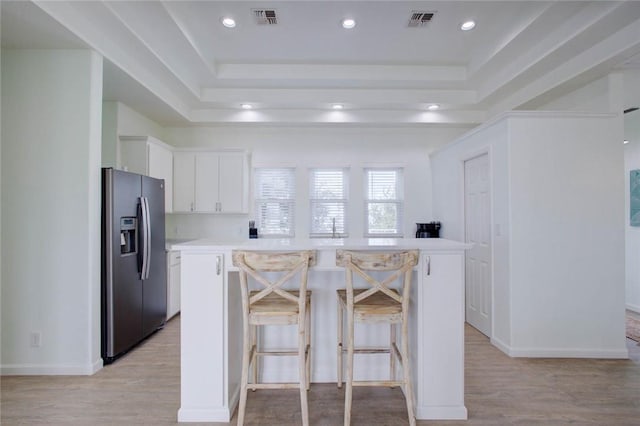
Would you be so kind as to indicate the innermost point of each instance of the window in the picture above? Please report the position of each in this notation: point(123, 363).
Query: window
point(275, 194)
point(328, 202)
point(384, 195)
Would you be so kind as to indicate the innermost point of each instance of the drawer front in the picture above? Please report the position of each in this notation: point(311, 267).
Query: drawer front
point(174, 258)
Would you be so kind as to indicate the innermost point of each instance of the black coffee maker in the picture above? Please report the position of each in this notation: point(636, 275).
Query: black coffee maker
point(428, 230)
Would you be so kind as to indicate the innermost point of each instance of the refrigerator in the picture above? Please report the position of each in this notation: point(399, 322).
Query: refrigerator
point(134, 272)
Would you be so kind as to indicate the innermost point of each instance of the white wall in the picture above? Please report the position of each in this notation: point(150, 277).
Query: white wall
point(448, 181)
point(632, 233)
point(558, 239)
point(305, 147)
point(614, 93)
point(110, 134)
point(602, 95)
point(567, 236)
point(119, 119)
point(51, 106)
point(132, 123)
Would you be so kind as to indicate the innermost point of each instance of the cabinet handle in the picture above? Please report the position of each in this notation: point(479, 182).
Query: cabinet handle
point(217, 265)
point(428, 258)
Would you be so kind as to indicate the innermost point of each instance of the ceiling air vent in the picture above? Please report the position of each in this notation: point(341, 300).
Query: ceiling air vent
point(420, 19)
point(265, 16)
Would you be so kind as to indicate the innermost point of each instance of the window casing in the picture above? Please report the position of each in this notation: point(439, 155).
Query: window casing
point(275, 196)
point(328, 202)
point(384, 202)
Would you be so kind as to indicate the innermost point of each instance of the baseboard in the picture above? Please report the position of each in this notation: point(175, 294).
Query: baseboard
point(233, 401)
point(634, 308)
point(204, 415)
point(450, 412)
point(500, 345)
point(50, 370)
point(622, 353)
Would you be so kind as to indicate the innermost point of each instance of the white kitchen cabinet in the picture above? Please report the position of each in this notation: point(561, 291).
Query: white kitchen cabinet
point(211, 182)
point(149, 156)
point(184, 169)
point(173, 283)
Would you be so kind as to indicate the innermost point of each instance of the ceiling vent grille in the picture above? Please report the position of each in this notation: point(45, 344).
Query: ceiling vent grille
point(420, 19)
point(265, 16)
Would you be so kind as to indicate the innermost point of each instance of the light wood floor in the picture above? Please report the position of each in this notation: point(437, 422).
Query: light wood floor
point(143, 388)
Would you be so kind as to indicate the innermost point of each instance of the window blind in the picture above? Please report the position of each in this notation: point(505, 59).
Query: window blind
point(384, 202)
point(328, 202)
point(274, 195)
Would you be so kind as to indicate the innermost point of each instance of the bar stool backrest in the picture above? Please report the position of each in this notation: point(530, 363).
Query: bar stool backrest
point(253, 263)
point(361, 262)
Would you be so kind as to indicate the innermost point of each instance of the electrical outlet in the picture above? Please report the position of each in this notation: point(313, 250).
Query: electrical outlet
point(36, 339)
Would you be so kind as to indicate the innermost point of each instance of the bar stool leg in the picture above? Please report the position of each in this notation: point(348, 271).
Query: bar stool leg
point(246, 349)
point(392, 353)
point(308, 344)
point(348, 393)
point(256, 359)
point(406, 370)
point(340, 340)
point(302, 372)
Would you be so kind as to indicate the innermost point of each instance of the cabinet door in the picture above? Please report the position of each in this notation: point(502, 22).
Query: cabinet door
point(133, 155)
point(232, 183)
point(173, 287)
point(206, 187)
point(161, 167)
point(183, 181)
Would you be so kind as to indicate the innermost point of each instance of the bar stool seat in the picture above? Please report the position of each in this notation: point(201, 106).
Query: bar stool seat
point(378, 303)
point(275, 304)
point(274, 309)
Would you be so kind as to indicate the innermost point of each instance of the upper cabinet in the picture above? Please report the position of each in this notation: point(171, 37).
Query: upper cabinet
point(149, 156)
point(211, 182)
point(184, 175)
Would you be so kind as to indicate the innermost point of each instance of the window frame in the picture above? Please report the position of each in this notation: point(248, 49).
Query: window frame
point(398, 202)
point(313, 202)
point(290, 174)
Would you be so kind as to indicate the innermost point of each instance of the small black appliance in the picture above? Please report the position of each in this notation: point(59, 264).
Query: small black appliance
point(428, 230)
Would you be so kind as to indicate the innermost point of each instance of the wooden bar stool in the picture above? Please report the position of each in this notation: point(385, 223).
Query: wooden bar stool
point(274, 305)
point(378, 303)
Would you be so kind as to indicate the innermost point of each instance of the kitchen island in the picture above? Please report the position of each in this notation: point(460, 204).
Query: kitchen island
point(211, 325)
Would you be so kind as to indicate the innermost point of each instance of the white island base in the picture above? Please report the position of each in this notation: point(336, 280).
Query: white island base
point(211, 325)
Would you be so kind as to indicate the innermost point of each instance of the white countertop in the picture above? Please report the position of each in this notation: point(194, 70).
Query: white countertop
point(323, 243)
point(170, 242)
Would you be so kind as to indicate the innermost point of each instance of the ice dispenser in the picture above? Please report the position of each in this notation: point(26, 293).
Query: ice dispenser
point(128, 226)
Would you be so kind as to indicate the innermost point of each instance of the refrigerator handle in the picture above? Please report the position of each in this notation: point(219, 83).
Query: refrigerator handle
point(141, 238)
point(146, 238)
point(148, 245)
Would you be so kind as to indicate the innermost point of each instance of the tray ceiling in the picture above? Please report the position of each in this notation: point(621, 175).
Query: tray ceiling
point(175, 62)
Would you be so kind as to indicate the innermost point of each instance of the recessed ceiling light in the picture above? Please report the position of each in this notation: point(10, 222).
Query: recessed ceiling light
point(246, 106)
point(348, 23)
point(337, 106)
point(433, 107)
point(228, 22)
point(626, 142)
point(468, 25)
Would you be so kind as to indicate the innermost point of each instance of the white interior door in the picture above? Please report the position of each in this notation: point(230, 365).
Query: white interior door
point(477, 210)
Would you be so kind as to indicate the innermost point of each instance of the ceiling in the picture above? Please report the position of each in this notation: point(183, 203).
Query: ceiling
point(176, 63)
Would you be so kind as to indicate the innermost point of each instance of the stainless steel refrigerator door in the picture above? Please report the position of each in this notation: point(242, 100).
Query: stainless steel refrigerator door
point(155, 285)
point(121, 284)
